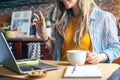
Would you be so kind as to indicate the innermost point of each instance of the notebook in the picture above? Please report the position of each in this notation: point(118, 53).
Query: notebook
point(8, 60)
point(92, 71)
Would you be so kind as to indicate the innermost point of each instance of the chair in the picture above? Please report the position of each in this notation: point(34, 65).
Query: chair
point(117, 61)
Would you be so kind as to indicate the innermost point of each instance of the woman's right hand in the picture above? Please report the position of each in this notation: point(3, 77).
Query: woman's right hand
point(92, 57)
point(39, 22)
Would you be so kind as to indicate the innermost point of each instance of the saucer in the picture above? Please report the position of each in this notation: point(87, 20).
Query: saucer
point(37, 74)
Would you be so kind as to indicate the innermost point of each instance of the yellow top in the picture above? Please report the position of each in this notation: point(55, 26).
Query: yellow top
point(70, 44)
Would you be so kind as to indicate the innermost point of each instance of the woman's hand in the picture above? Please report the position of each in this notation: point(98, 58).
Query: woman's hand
point(92, 57)
point(39, 22)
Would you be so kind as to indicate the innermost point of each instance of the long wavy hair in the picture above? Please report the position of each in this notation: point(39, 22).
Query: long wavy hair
point(63, 16)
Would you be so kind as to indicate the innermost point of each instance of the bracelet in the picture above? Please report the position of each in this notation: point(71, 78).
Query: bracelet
point(45, 40)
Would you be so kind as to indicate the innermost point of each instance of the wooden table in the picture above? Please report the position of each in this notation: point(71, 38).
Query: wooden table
point(106, 68)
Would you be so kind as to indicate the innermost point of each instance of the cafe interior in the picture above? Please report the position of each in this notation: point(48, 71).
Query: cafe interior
point(27, 44)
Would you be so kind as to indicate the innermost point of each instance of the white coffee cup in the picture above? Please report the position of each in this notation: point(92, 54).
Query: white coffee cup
point(76, 57)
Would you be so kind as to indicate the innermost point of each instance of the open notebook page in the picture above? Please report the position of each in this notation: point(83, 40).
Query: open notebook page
point(83, 71)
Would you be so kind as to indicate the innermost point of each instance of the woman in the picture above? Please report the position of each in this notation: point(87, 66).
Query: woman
point(80, 24)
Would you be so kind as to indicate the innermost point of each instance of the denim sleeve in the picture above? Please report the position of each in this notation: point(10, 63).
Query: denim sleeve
point(57, 47)
point(113, 48)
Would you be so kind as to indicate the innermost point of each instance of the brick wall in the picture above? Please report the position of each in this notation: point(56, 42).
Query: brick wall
point(45, 6)
point(6, 8)
point(112, 6)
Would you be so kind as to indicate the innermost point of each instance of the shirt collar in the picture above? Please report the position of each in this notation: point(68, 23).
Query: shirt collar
point(94, 14)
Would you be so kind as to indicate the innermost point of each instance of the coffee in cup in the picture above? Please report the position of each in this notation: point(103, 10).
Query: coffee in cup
point(76, 57)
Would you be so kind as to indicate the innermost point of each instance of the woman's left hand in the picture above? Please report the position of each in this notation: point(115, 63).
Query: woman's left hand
point(92, 57)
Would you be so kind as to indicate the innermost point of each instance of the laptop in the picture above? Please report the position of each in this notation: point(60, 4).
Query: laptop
point(8, 60)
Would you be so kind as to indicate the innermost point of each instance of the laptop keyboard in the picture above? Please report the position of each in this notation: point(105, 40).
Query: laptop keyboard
point(45, 66)
point(40, 66)
point(29, 68)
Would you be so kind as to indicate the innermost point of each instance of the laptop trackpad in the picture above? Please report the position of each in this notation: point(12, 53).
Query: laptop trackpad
point(29, 68)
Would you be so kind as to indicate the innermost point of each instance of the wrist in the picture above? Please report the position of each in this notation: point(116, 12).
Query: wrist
point(103, 57)
point(46, 40)
point(44, 37)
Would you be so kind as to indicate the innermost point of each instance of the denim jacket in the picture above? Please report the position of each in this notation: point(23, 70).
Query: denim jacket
point(103, 34)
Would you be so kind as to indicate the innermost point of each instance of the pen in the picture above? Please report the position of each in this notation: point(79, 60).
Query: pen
point(74, 68)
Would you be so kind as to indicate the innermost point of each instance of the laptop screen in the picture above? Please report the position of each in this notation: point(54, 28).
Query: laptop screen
point(7, 59)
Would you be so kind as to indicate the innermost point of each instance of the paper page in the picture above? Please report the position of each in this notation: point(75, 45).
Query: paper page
point(83, 71)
